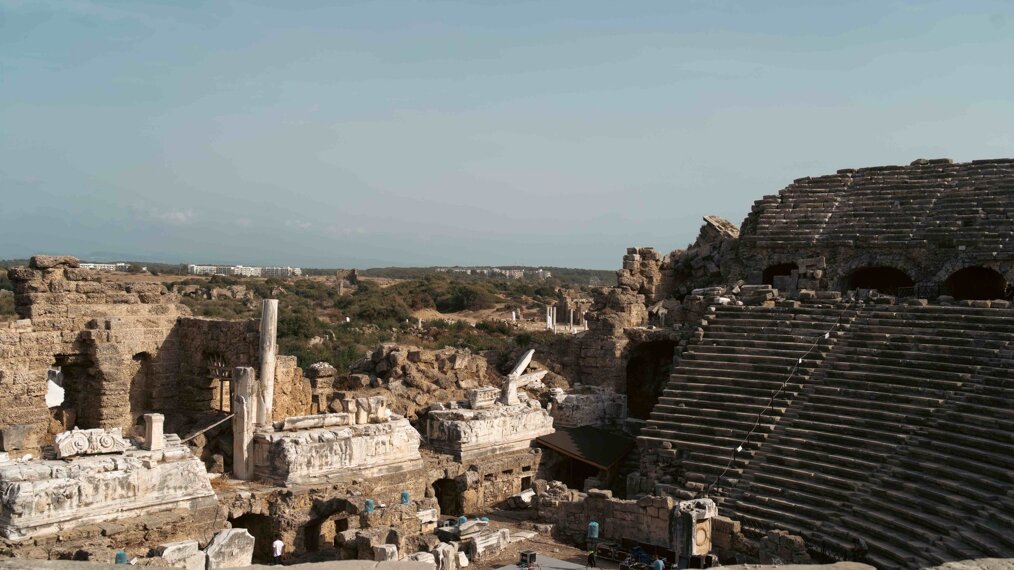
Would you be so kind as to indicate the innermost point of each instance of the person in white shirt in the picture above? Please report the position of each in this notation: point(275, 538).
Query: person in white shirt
point(276, 550)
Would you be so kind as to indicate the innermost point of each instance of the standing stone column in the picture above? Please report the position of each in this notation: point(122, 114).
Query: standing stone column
point(244, 404)
point(269, 348)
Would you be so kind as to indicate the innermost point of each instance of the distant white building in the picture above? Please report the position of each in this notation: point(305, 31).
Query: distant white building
point(281, 272)
point(243, 271)
point(105, 266)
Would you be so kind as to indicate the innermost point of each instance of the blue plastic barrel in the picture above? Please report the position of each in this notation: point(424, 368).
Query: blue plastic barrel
point(406, 498)
point(370, 505)
point(593, 529)
point(462, 519)
point(121, 557)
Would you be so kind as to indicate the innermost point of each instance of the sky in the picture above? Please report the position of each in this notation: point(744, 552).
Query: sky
point(359, 134)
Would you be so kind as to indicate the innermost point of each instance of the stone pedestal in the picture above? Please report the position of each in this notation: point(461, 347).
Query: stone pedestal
point(154, 439)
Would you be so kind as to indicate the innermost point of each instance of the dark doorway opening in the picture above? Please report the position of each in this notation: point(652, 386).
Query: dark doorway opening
point(142, 389)
point(526, 483)
point(886, 280)
point(977, 283)
point(332, 517)
point(448, 497)
point(260, 527)
point(775, 270)
point(81, 405)
point(647, 374)
point(560, 467)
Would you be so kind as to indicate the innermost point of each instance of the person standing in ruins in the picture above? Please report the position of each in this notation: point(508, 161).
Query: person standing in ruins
point(591, 559)
point(277, 547)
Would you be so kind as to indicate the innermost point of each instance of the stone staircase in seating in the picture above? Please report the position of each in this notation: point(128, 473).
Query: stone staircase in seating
point(728, 377)
point(901, 438)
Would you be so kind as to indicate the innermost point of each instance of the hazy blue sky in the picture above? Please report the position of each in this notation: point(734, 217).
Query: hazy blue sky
point(416, 133)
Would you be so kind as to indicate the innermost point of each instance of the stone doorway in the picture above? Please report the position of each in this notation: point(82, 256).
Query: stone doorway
point(261, 527)
point(647, 374)
point(449, 497)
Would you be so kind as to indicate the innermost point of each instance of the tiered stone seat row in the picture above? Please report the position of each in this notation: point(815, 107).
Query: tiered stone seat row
point(902, 437)
point(725, 381)
point(943, 203)
point(897, 430)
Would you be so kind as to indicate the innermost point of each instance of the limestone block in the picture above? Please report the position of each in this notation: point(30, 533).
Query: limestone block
point(337, 452)
point(462, 560)
point(89, 442)
point(154, 439)
point(385, 552)
point(231, 548)
point(468, 433)
point(46, 497)
point(185, 554)
point(484, 397)
point(424, 557)
point(446, 556)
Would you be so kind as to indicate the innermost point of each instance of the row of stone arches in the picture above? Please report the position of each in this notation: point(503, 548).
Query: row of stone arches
point(967, 283)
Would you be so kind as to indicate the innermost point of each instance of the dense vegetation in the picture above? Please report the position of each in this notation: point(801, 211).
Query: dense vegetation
point(316, 323)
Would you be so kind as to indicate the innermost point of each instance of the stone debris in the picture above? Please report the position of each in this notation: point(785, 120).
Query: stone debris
point(230, 548)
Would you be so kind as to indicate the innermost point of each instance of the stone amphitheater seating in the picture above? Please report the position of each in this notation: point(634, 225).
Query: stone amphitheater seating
point(947, 204)
point(899, 430)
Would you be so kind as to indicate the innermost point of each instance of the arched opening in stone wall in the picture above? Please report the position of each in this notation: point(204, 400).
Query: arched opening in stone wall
point(449, 497)
point(775, 270)
point(80, 406)
point(647, 374)
point(884, 279)
point(142, 389)
point(977, 283)
point(262, 529)
point(331, 518)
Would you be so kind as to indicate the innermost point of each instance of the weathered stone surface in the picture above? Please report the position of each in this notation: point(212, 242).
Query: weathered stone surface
point(38, 498)
point(590, 406)
point(466, 433)
point(338, 452)
point(90, 442)
point(184, 554)
point(231, 548)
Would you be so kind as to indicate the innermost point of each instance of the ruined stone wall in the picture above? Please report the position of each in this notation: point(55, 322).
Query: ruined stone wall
point(644, 520)
point(115, 341)
point(482, 485)
point(207, 345)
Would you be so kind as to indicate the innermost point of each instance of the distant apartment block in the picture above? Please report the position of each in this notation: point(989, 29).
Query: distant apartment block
point(244, 271)
point(498, 272)
point(281, 272)
point(105, 266)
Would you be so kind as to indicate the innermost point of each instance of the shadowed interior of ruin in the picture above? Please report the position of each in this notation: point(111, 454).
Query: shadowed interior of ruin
point(977, 283)
point(80, 396)
point(647, 374)
point(448, 496)
point(260, 527)
point(886, 280)
point(773, 271)
point(142, 388)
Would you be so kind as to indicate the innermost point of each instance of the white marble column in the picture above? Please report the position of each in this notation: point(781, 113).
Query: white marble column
point(269, 348)
point(244, 405)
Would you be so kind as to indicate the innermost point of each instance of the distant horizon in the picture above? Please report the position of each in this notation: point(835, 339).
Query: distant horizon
point(405, 134)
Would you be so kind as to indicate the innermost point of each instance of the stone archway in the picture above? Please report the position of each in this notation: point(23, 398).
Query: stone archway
point(449, 494)
point(977, 283)
point(883, 278)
